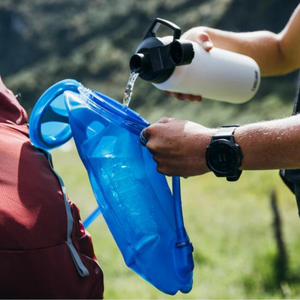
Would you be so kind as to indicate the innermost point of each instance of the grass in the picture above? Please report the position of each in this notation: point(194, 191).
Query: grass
point(229, 224)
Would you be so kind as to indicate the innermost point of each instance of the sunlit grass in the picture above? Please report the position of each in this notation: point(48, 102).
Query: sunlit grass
point(229, 224)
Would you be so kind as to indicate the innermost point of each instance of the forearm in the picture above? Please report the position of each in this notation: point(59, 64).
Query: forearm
point(276, 54)
point(270, 145)
point(179, 146)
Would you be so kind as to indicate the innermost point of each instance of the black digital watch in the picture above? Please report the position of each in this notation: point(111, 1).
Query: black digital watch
point(224, 155)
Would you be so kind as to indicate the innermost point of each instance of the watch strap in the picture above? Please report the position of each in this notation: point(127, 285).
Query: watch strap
point(226, 131)
point(234, 177)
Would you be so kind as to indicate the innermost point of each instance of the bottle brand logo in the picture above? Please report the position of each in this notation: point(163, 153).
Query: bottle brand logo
point(255, 81)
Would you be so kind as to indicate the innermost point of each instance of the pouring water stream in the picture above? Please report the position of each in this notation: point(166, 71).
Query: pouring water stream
point(129, 88)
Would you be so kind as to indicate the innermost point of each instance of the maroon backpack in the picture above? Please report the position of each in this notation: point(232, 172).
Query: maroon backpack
point(44, 250)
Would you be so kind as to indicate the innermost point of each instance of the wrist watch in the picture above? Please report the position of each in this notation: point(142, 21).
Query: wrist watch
point(224, 155)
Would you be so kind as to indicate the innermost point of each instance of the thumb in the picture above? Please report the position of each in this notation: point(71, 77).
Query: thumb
point(204, 40)
point(165, 120)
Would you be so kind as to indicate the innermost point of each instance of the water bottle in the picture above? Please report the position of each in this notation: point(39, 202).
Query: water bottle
point(182, 66)
point(144, 217)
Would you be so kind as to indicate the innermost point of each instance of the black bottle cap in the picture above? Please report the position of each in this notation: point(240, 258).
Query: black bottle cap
point(156, 58)
point(181, 53)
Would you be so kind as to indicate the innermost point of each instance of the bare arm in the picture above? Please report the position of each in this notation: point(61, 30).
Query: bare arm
point(179, 146)
point(276, 54)
point(271, 144)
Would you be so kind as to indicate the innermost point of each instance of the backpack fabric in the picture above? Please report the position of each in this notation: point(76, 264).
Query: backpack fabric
point(44, 250)
point(292, 177)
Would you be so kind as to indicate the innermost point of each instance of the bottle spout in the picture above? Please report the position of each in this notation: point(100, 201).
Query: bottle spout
point(139, 63)
point(153, 64)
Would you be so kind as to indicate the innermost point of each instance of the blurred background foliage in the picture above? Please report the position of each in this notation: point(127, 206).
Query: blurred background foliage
point(230, 225)
point(43, 42)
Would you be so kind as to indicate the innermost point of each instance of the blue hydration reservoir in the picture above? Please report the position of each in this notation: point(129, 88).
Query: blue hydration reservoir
point(144, 217)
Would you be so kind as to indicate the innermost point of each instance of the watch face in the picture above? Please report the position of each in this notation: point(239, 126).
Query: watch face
point(221, 156)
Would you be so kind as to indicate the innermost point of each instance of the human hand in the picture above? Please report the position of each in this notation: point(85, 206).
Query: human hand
point(197, 35)
point(178, 146)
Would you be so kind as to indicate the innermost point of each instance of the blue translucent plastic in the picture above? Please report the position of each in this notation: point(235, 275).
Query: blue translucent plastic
point(143, 216)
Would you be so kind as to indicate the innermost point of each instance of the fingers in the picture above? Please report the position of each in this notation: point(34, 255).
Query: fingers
point(189, 97)
point(166, 167)
point(145, 133)
point(204, 40)
point(164, 120)
point(170, 167)
point(192, 98)
point(198, 35)
point(143, 139)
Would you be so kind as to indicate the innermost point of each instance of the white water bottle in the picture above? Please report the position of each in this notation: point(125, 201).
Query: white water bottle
point(218, 74)
point(183, 66)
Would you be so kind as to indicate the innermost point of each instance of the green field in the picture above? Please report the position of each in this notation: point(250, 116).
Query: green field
point(229, 224)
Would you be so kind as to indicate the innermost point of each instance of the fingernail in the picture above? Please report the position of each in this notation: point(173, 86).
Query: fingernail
point(207, 45)
point(143, 139)
point(163, 120)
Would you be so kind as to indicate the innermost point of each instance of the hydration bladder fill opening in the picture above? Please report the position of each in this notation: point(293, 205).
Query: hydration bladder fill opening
point(49, 124)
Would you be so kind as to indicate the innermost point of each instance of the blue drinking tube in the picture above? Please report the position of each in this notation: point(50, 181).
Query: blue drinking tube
point(91, 217)
point(182, 239)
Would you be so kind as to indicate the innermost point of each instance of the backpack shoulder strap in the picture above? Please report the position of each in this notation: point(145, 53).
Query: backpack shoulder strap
point(82, 270)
